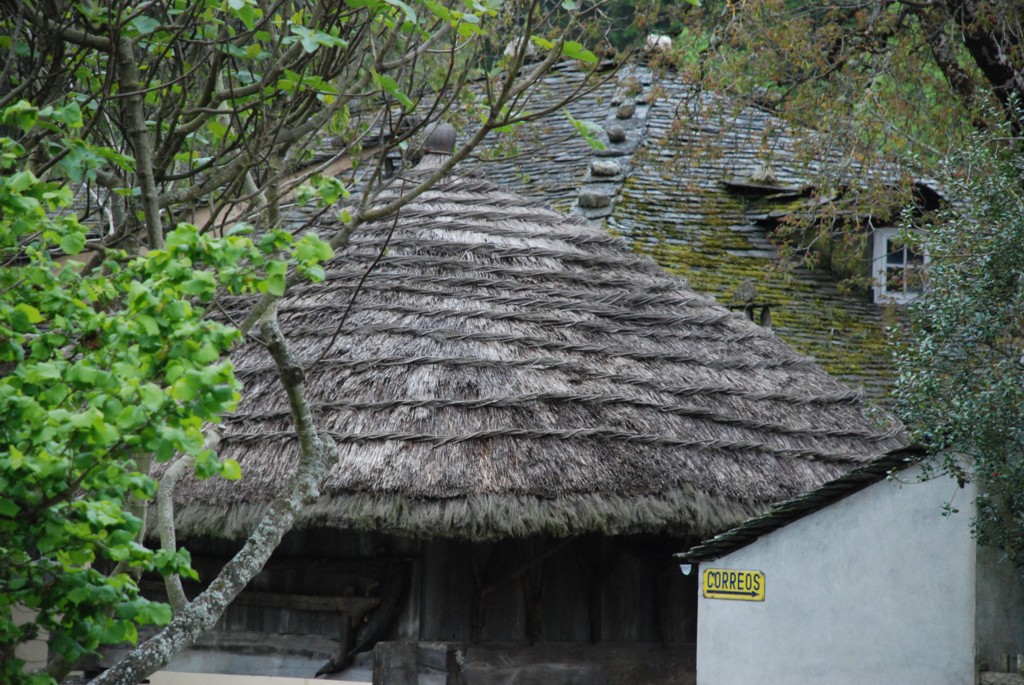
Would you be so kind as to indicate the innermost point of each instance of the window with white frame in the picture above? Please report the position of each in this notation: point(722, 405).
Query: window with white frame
point(897, 269)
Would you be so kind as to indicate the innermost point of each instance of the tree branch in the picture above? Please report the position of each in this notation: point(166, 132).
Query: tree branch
point(73, 36)
point(128, 70)
point(994, 43)
point(165, 526)
point(934, 24)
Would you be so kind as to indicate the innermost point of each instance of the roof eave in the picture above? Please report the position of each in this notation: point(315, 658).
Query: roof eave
point(681, 513)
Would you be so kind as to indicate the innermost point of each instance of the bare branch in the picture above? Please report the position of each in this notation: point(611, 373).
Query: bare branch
point(138, 133)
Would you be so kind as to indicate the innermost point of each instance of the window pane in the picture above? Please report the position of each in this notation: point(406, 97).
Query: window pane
point(915, 257)
point(894, 280)
point(894, 254)
point(914, 278)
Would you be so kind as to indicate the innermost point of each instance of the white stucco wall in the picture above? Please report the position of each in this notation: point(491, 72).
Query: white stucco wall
point(876, 588)
point(35, 652)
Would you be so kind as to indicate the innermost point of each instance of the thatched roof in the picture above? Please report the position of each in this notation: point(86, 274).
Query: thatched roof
point(506, 370)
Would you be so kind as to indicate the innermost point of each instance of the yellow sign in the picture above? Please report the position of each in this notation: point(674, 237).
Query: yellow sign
point(728, 583)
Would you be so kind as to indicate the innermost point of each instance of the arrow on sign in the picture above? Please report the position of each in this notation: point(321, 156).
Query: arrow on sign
point(735, 593)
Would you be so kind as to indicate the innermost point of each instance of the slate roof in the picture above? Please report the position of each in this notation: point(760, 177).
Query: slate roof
point(674, 197)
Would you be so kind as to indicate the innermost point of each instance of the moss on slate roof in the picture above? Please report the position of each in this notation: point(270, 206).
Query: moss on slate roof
point(670, 200)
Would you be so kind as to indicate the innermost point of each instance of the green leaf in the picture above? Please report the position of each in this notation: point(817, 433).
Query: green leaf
point(249, 16)
point(440, 11)
point(469, 30)
point(409, 13)
point(202, 283)
point(240, 228)
point(148, 324)
point(163, 448)
point(574, 50)
point(588, 130)
point(123, 162)
point(145, 25)
point(152, 396)
point(230, 469)
point(306, 37)
point(31, 313)
point(8, 508)
point(315, 273)
point(131, 418)
point(316, 83)
point(70, 115)
point(218, 129)
point(83, 373)
point(154, 613)
point(542, 43)
point(46, 371)
point(22, 114)
point(246, 11)
point(183, 391)
point(21, 181)
point(311, 248)
point(276, 285)
point(388, 85)
point(72, 243)
point(276, 278)
point(79, 594)
point(17, 458)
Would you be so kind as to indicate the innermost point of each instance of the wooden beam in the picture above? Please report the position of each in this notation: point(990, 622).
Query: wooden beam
point(353, 606)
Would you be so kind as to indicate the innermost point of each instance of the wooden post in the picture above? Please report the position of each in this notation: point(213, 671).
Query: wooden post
point(442, 657)
point(394, 663)
point(453, 666)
